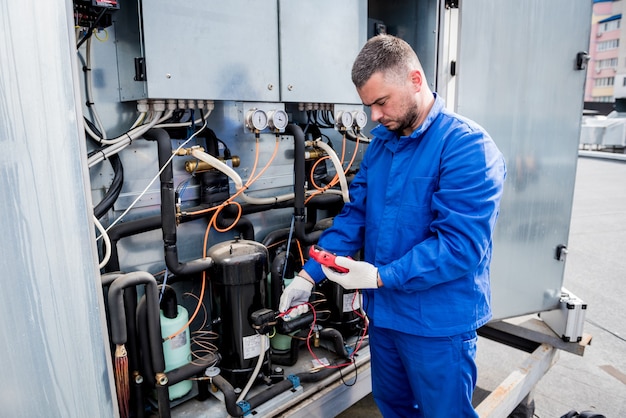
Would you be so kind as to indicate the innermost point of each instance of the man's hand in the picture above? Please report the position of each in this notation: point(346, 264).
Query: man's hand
point(360, 275)
point(297, 293)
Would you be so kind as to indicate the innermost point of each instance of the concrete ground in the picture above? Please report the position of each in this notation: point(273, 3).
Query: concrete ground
point(595, 271)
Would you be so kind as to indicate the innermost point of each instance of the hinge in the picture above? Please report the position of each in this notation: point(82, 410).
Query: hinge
point(452, 4)
point(140, 69)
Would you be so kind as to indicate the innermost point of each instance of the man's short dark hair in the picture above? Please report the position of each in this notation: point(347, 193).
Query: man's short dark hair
point(387, 54)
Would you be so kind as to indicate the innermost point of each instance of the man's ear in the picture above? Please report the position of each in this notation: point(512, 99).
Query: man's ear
point(416, 79)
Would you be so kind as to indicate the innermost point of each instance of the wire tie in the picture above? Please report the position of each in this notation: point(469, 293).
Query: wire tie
point(130, 138)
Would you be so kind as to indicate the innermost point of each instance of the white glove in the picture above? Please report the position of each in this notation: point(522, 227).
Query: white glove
point(297, 293)
point(361, 275)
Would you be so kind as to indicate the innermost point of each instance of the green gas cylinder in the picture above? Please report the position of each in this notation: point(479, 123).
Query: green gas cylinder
point(176, 350)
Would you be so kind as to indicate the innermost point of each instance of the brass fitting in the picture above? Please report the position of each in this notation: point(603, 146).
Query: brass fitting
point(161, 379)
point(199, 166)
point(187, 151)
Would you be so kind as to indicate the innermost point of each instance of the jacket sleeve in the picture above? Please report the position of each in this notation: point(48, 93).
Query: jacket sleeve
point(465, 207)
point(345, 237)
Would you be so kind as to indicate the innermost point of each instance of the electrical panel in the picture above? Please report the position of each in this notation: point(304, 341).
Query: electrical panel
point(94, 13)
point(261, 50)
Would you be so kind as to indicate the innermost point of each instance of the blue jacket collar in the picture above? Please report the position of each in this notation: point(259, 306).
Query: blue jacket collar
point(384, 134)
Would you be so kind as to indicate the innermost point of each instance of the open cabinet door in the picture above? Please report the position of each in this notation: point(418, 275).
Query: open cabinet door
point(517, 75)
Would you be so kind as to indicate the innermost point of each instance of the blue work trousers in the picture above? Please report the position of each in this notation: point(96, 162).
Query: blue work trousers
point(423, 377)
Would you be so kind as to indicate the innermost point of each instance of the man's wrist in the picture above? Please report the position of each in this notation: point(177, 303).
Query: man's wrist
point(306, 276)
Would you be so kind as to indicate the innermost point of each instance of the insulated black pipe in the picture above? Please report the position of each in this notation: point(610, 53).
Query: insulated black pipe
point(126, 284)
point(107, 278)
point(276, 271)
point(116, 233)
point(315, 377)
point(287, 327)
point(144, 339)
point(117, 313)
point(299, 186)
point(197, 366)
point(230, 397)
point(275, 236)
point(176, 375)
point(244, 226)
point(336, 338)
point(169, 302)
point(127, 229)
point(168, 209)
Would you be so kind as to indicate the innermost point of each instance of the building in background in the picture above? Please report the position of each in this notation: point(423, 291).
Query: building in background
point(606, 73)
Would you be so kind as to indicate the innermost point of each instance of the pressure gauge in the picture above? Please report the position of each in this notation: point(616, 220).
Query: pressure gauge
point(277, 119)
point(256, 119)
point(360, 118)
point(344, 120)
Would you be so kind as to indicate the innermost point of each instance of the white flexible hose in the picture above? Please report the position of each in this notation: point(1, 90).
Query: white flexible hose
point(218, 165)
point(106, 243)
point(255, 373)
point(342, 176)
point(232, 174)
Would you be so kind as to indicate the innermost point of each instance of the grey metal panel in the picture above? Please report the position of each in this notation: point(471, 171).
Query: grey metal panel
point(126, 29)
point(319, 40)
point(516, 77)
point(55, 360)
point(415, 21)
point(211, 50)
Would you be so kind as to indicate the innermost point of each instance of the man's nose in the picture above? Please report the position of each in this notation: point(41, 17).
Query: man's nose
point(375, 114)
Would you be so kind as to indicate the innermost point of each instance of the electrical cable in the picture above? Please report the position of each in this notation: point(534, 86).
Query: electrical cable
point(92, 27)
point(89, 90)
point(115, 187)
point(122, 141)
point(106, 243)
point(255, 372)
point(152, 181)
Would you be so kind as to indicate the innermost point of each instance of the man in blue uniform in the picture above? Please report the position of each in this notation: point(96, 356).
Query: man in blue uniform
point(423, 206)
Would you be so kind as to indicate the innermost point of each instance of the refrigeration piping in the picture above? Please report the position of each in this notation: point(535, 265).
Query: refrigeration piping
point(239, 409)
point(119, 330)
point(168, 213)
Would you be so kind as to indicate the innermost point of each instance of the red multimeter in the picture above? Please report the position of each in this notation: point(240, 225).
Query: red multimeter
point(325, 258)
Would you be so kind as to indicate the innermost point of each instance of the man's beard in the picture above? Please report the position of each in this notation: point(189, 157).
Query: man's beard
point(407, 121)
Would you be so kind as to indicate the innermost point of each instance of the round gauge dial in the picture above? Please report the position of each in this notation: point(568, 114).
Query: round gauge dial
point(360, 118)
point(278, 119)
point(345, 119)
point(256, 119)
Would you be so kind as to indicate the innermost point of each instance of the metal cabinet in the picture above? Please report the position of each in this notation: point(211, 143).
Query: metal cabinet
point(244, 50)
point(517, 76)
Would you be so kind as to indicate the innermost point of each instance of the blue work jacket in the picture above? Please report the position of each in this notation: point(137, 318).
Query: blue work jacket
point(423, 207)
